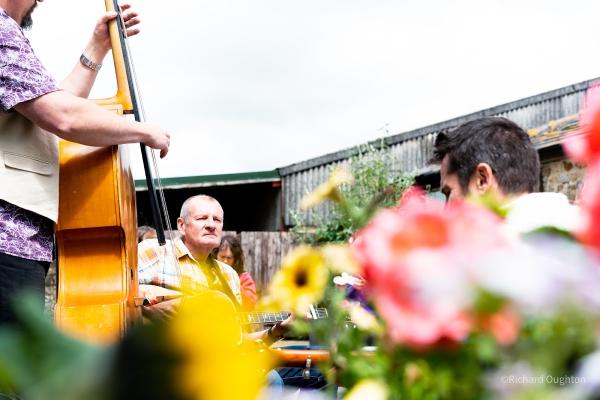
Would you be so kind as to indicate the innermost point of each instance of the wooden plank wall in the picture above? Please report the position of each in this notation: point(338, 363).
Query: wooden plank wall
point(263, 252)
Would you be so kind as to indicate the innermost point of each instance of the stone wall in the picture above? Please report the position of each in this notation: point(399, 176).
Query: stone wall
point(562, 176)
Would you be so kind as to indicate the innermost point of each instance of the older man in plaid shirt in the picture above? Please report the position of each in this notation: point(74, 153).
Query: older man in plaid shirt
point(162, 278)
point(185, 263)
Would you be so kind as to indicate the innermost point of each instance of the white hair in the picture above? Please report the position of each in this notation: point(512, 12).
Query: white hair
point(185, 207)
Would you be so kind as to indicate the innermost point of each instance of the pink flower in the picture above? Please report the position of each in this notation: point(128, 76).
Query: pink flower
point(589, 202)
point(416, 258)
point(418, 327)
point(584, 145)
point(503, 325)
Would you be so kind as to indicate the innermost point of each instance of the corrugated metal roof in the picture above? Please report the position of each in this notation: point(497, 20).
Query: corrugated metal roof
point(412, 150)
point(529, 112)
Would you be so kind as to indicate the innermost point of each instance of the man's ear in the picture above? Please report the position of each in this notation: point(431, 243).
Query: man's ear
point(482, 180)
point(180, 224)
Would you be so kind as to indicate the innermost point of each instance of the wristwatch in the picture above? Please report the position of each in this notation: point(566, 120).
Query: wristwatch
point(89, 63)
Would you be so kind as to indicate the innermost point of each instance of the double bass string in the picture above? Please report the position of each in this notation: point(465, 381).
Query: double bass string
point(158, 183)
point(163, 202)
point(141, 117)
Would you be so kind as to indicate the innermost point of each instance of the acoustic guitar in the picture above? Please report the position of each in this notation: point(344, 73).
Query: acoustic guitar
point(207, 304)
point(249, 318)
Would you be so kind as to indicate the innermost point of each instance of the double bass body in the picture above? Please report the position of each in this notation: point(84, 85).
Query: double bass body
point(96, 240)
point(96, 231)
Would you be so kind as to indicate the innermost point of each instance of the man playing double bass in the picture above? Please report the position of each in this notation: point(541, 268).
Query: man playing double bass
point(34, 108)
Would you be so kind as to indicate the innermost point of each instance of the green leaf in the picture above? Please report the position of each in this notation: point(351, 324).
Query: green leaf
point(39, 362)
point(486, 348)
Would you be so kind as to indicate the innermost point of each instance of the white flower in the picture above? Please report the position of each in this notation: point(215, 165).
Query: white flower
point(542, 274)
point(590, 372)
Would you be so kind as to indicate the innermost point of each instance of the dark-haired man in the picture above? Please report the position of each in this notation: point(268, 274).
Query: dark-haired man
point(487, 154)
point(495, 155)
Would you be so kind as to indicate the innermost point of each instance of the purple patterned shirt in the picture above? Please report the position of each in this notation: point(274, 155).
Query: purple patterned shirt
point(22, 77)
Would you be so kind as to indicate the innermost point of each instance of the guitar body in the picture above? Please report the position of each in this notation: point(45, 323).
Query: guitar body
point(299, 357)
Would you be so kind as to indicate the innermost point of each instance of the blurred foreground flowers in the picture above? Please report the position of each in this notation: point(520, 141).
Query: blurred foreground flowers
point(208, 332)
point(196, 355)
point(461, 300)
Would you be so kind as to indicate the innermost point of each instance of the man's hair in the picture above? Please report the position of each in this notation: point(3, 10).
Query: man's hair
point(233, 243)
point(185, 207)
point(496, 141)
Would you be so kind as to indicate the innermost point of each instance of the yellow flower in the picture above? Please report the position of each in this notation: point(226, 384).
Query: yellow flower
point(328, 190)
point(368, 389)
point(363, 319)
point(207, 333)
point(412, 373)
point(339, 258)
point(300, 282)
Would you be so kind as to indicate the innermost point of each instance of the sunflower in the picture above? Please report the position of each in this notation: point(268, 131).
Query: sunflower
point(328, 190)
point(207, 332)
point(300, 282)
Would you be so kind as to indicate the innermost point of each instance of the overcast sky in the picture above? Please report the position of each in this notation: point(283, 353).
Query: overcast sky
point(247, 85)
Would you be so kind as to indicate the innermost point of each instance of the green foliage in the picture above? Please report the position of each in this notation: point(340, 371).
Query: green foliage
point(38, 362)
point(487, 302)
point(570, 334)
point(377, 184)
point(349, 361)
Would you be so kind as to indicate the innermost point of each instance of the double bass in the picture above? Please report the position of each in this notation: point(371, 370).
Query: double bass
point(96, 233)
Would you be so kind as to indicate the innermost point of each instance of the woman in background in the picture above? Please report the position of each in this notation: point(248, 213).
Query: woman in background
point(146, 232)
point(230, 252)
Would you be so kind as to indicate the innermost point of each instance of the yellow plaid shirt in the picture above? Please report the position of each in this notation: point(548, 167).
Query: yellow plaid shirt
point(156, 266)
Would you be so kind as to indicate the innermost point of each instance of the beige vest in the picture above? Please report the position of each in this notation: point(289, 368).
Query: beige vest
point(28, 165)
